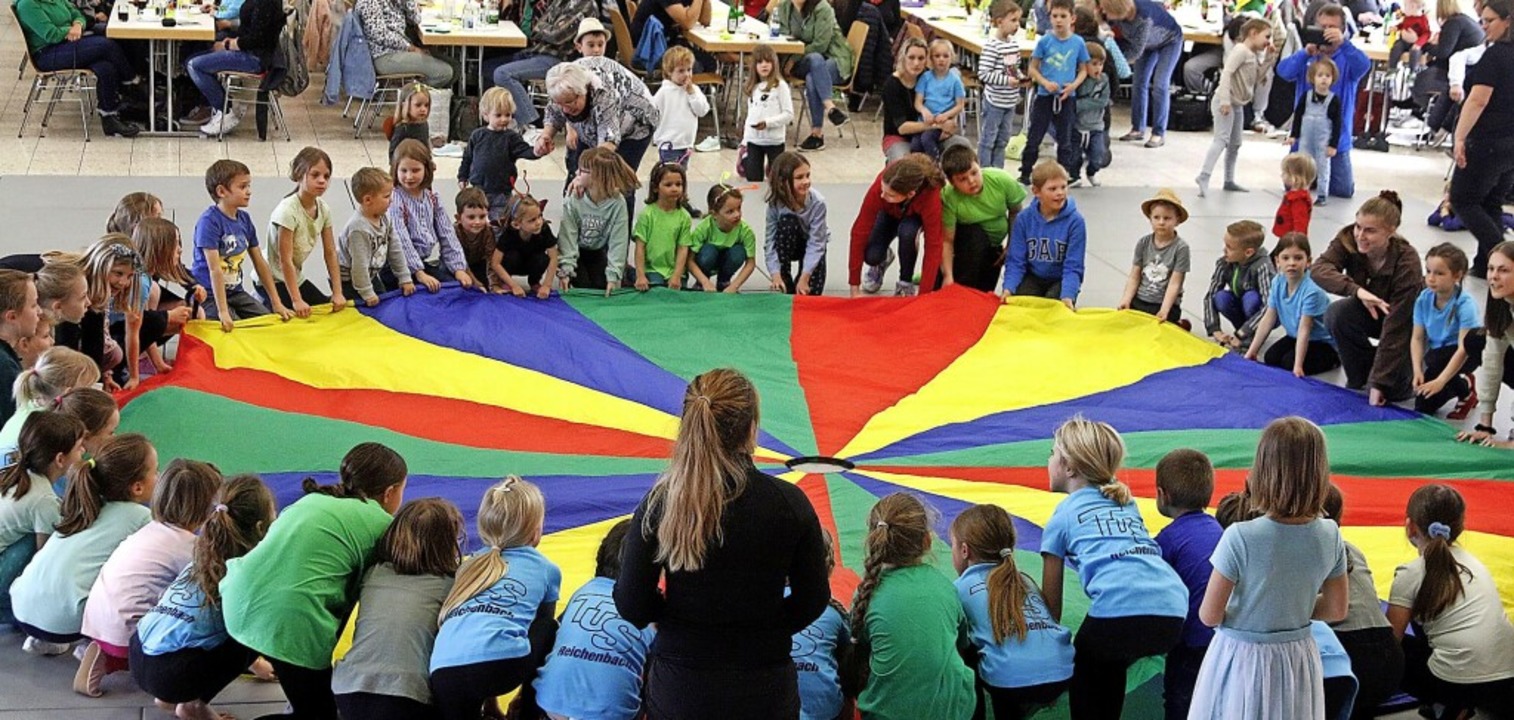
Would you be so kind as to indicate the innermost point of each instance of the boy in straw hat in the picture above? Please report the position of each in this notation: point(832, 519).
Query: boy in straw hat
point(1160, 264)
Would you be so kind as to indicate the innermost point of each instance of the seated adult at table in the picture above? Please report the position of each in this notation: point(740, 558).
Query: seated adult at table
point(1353, 65)
point(1458, 31)
point(901, 121)
point(978, 206)
point(552, 33)
point(1484, 149)
point(1152, 41)
point(384, 23)
point(1497, 355)
point(54, 31)
point(255, 49)
point(1379, 276)
point(678, 17)
point(827, 61)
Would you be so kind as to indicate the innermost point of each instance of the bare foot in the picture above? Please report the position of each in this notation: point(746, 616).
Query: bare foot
point(262, 670)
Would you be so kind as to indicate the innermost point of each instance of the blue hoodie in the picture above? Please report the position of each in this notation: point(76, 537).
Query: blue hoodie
point(1049, 249)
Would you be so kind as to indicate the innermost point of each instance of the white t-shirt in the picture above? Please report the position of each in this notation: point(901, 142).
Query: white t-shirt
point(291, 215)
point(133, 579)
point(51, 591)
point(1471, 641)
point(34, 513)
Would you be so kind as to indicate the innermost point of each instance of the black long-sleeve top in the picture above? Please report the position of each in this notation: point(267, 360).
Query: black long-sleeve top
point(733, 611)
point(489, 160)
point(261, 21)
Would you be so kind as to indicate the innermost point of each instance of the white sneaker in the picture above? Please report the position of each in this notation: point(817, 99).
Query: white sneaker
point(220, 123)
point(709, 144)
point(872, 281)
point(904, 289)
point(33, 646)
point(450, 150)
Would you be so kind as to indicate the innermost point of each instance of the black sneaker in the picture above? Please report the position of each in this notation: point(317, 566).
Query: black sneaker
point(837, 117)
point(812, 143)
point(113, 125)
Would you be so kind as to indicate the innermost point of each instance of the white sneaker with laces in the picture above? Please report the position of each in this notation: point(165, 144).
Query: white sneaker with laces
point(872, 280)
point(33, 646)
point(213, 125)
point(709, 144)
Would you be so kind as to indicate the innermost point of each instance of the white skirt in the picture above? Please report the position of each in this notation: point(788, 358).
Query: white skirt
point(1243, 680)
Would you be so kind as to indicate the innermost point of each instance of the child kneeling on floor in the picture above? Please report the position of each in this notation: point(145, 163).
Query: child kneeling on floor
point(1238, 289)
point(1307, 347)
point(1048, 242)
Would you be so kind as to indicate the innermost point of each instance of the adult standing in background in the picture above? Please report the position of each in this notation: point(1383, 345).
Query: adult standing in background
point(1353, 65)
point(724, 540)
point(1152, 41)
point(1484, 147)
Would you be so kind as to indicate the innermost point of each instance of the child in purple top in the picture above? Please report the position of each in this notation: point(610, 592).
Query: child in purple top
point(1185, 485)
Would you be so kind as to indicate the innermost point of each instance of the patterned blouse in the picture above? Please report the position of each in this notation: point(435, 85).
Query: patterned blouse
point(384, 24)
point(620, 109)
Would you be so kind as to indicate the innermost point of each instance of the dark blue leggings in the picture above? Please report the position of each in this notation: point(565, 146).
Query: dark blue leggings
point(885, 228)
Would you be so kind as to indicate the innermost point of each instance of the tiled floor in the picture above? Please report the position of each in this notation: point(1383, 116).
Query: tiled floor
point(40, 213)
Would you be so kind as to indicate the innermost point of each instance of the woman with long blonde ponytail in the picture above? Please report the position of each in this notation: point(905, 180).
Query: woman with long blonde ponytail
point(725, 539)
point(1137, 602)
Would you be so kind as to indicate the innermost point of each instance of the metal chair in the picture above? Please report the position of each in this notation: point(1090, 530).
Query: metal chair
point(386, 92)
point(249, 88)
point(80, 82)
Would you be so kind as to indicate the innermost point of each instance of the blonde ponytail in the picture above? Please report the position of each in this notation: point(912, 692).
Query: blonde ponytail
point(57, 371)
point(710, 461)
point(510, 515)
point(1093, 452)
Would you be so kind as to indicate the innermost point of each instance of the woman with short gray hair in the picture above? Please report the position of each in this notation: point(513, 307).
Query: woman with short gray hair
point(604, 104)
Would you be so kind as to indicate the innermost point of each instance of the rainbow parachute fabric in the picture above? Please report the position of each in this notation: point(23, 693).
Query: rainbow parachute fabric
point(951, 396)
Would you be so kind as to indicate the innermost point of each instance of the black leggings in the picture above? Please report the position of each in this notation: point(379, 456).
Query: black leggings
point(758, 159)
point(591, 271)
point(1105, 648)
point(791, 238)
point(1320, 357)
point(460, 692)
point(308, 691)
point(532, 266)
point(1377, 660)
point(372, 706)
point(1017, 703)
point(189, 674)
point(1493, 700)
point(975, 259)
point(679, 689)
point(311, 294)
point(1460, 386)
point(1173, 315)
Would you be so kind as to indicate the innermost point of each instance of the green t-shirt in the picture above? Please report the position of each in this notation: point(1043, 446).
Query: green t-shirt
point(1001, 193)
point(915, 624)
point(662, 231)
point(707, 232)
point(287, 597)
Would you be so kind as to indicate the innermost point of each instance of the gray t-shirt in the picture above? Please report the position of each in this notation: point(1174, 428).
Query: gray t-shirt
point(1157, 266)
point(1277, 570)
point(1365, 611)
point(396, 627)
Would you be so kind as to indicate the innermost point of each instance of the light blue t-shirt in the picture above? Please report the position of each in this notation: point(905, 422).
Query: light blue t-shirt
point(1060, 59)
point(1120, 565)
point(181, 620)
point(1044, 656)
point(940, 93)
point(144, 292)
point(492, 625)
point(1309, 299)
point(1277, 570)
point(1443, 327)
point(814, 653)
point(594, 670)
point(51, 591)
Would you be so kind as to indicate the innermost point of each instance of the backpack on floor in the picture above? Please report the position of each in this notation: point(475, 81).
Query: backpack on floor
point(1190, 113)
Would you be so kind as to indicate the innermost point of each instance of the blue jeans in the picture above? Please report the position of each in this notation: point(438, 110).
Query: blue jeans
point(885, 228)
point(1237, 310)
point(993, 136)
point(1093, 149)
point(820, 77)
point(100, 55)
point(1153, 85)
point(721, 263)
point(203, 69)
point(512, 76)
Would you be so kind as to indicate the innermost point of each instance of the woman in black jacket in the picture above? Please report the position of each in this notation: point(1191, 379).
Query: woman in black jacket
point(255, 49)
point(725, 539)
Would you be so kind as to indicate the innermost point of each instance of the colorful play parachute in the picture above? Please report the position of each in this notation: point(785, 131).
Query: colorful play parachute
point(951, 395)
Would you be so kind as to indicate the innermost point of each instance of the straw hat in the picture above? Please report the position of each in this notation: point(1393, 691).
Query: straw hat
point(590, 25)
point(1166, 195)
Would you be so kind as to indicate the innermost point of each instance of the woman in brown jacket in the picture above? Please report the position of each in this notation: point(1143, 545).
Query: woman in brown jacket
point(1379, 275)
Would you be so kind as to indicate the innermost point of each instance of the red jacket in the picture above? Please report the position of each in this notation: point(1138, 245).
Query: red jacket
point(926, 205)
point(1419, 24)
point(1293, 214)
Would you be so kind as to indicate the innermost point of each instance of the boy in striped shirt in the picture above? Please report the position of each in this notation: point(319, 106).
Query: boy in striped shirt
point(999, 72)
